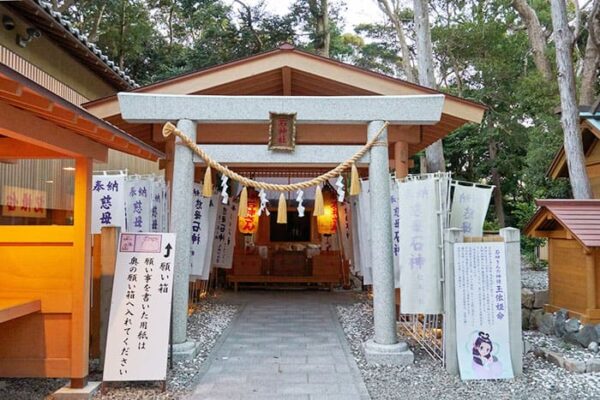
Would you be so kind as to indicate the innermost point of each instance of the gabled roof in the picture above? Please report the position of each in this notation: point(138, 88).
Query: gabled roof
point(581, 218)
point(287, 71)
point(54, 25)
point(590, 131)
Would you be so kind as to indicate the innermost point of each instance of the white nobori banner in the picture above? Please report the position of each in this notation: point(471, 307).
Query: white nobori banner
point(469, 207)
point(419, 247)
point(108, 201)
point(224, 241)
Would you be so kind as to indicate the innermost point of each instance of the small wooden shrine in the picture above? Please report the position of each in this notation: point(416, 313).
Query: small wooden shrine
point(572, 228)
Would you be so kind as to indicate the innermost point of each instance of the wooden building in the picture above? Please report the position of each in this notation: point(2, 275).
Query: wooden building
point(48, 144)
point(572, 228)
point(590, 135)
point(287, 71)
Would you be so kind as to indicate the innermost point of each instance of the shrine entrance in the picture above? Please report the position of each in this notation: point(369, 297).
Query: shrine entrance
point(226, 113)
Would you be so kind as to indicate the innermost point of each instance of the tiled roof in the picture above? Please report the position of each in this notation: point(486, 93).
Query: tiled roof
point(580, 217)
point(31, 9)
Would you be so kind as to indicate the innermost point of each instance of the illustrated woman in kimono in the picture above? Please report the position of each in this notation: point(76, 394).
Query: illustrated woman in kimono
point(485, 364)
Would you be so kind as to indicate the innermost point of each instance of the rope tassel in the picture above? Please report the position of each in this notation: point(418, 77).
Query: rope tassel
point(282, 210)
point(319, 208)
point(243, 210)
point(354, 181)
point(207, 186)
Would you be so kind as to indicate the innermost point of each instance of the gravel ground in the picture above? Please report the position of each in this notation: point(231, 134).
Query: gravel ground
point(205, 325)
point(553, 343)
point(426, 379)
point(532, 278)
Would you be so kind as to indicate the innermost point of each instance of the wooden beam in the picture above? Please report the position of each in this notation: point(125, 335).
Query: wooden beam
point(286, 79)
point(260, 155)
point(13, 149)
point(404, 110)
point(209, 133)
point(26, 127)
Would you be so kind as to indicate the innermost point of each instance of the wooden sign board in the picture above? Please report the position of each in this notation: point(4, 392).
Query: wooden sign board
point(138, 331)
point(282, 132)
point(23, 202)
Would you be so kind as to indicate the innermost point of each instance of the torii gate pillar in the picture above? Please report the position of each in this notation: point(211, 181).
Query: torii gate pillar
point(384, 347)
point(181, 212)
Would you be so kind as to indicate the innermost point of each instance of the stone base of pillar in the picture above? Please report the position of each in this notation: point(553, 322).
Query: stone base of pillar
point(85, 393)
point(185, 351)
point(388, 354)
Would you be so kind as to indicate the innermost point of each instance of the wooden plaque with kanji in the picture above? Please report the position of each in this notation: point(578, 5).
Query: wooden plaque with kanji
point(282, 132)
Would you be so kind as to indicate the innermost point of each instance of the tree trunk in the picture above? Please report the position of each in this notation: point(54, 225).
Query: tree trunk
point(537, 39)
point(580, 183)
point(320, 12)
point(498, 197)
point(435, 151)
point(392, 14)
point(591, 58)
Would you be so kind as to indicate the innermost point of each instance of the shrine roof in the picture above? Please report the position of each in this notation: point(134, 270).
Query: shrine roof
point(580, 218)
point(287, 71)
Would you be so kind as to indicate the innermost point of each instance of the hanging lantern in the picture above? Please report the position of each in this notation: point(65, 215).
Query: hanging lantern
point(327, 223)
point(248, 224)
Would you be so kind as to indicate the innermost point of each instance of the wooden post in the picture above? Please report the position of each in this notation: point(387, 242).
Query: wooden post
point(590, 273)
point(451, 236)
point(81, 274)
point(401, 159)
point(108, 259)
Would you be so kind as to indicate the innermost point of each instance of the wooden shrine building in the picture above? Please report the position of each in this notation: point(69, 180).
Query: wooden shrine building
point(572, 228)
point(225, 109)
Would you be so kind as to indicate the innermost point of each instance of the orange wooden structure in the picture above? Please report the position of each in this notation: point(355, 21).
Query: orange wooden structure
point(573, 231)
point(45, 274)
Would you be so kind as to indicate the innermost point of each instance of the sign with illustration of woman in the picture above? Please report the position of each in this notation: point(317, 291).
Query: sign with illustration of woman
point(482, 330)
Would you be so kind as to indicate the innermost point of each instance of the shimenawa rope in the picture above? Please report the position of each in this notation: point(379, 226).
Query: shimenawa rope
point(169, 129)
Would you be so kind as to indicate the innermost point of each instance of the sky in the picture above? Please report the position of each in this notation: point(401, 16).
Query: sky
point(358, 11)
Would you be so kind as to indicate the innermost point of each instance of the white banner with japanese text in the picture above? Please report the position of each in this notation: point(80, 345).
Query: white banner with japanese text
point(469, 208)
point(395, 213)
point(419, 247)
point(482, 331)
point(211, 214)
point(108, 201)
point(224, 242)
point(199, 236)
point(364, 232)
point(138, 330)
point(138, 200)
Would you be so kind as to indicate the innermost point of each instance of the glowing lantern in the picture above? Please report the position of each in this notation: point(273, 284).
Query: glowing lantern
point(327, 223)
point(248, 225)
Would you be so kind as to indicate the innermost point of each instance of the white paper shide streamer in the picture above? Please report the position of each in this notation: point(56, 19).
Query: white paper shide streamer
point(341, 192)
point(262, 195)
point(224, 194)
point(299, 199)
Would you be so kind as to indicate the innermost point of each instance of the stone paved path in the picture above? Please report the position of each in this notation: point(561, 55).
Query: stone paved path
point(283, 345)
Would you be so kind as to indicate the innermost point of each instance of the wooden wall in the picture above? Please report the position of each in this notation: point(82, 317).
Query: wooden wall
point(567, 275)
point(592, 161)
point(50, 263)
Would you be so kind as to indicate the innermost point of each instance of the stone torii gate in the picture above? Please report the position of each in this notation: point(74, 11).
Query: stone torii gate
point(190, 110)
